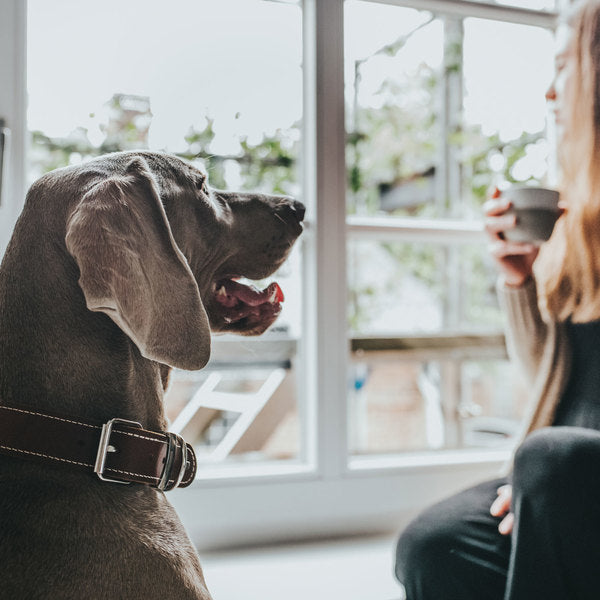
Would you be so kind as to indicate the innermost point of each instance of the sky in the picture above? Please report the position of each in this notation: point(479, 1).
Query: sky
point(239, 62)
point(507, 67)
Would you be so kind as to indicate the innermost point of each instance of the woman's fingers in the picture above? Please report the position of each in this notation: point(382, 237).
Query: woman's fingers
point(515, 259)
point(505, 490)
point(501, 504)
point(496, 225)
point(499, 507)
point(500, 249)
point(496, 206)
point(506, 525)
point(496, 219)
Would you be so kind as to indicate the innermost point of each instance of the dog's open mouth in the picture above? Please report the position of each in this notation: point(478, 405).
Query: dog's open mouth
point(243, 307)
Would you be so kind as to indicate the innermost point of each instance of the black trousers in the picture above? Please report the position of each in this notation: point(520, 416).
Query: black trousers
point(453, 550)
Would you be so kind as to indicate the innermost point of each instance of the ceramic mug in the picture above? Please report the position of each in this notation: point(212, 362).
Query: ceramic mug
point(536, 209)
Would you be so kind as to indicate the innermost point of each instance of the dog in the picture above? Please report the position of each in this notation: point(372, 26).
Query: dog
point(117, 271)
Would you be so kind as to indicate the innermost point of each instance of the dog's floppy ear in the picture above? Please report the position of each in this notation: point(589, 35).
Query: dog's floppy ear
point(132, 270)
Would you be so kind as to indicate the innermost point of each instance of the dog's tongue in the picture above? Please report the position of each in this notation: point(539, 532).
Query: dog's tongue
point(230, 292)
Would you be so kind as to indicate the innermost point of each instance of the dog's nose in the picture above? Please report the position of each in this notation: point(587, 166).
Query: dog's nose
point(298, 209)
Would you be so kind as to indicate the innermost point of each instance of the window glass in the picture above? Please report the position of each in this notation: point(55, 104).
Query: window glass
point(392, 94)
point(402, 404)
point(439, 109)
point(504, 108)
point(399, 289)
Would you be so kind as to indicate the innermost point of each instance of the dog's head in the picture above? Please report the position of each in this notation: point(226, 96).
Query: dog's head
point(162, 254)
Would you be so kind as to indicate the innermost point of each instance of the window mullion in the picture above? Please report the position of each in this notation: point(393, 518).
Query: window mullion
point(409, 229)
point(326, 245)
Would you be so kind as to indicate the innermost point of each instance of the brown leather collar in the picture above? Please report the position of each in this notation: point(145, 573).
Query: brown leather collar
point(119, 451)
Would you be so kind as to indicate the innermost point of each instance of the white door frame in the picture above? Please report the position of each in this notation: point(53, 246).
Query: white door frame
point(13, 107)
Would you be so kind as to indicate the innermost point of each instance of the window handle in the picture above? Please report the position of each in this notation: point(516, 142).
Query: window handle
point(4, 150)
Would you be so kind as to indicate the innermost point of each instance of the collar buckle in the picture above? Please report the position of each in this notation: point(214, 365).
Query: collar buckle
point(104, 448)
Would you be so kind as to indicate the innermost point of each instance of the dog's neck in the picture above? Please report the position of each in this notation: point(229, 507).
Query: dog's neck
point(98, 374)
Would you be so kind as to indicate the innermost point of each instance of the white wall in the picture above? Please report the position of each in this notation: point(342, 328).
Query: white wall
point(229, 513)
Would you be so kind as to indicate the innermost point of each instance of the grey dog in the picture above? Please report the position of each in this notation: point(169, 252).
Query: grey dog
point(116, 272)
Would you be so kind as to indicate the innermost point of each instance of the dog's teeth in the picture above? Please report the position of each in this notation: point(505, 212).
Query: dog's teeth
point(227, 319)
point(222, 291)
point(273, 297)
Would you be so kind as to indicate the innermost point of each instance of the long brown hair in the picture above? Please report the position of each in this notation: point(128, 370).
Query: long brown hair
point(568, 267)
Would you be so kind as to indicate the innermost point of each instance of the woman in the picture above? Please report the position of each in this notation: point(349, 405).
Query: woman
point(535, 534)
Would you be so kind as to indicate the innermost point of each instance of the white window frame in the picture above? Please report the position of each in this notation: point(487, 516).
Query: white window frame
point(324, 495)
point(13, 105)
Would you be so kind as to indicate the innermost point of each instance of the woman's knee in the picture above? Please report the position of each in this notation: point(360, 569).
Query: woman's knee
point(441, 552)
point(412, 544)
point(421, 547)
point(554, 454)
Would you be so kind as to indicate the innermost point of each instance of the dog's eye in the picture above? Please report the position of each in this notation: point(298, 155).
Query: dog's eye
point(202, 185)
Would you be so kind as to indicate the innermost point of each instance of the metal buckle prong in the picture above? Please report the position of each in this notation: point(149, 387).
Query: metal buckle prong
point(172, 440)
point(104, 448)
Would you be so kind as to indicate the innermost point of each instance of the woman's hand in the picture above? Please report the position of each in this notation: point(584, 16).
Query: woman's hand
point(501, 508)
point(515, 259)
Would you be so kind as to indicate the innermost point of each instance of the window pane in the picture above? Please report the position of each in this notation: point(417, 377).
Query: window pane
point(429, 368)
point(217, 82)
point(504, 105)
point(437, 112)
point(398, 289)
point(399, 404)
point(392, 91)
point(197, 78)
